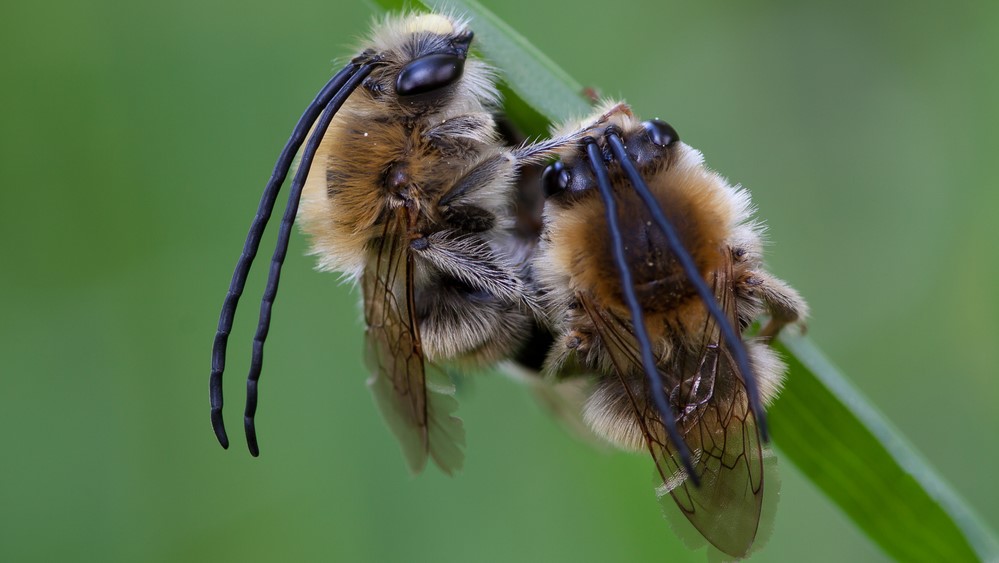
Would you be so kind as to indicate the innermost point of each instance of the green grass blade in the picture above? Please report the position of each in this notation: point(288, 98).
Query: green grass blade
point(821, 422)
point(863, 464)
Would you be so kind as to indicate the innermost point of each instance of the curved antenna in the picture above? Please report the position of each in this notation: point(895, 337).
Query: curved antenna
point(281, 250)
point(637, 317)
point(252, 243)
point(732, 339)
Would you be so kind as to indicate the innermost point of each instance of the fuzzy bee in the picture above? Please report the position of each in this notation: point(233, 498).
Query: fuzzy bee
point(407, 190)
point(650, 265)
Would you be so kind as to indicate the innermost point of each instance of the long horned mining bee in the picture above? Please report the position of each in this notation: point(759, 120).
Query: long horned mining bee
point(648, 269)
point(650, 265)
point(406, 189)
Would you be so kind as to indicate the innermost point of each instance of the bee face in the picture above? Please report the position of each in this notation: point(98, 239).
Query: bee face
point(425, 67)
point(651, 268)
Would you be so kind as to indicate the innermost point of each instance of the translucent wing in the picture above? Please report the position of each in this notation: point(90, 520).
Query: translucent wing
point(718, 424)
point(709, 397)
point(416, 399)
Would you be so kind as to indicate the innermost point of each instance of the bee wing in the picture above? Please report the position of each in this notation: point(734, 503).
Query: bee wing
point(708, 394)
point(416, 398)
point(719, 427)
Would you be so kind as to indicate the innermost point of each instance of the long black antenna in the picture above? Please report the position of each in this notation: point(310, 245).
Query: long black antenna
point(732, 339)
point(253, 241)
point(637, 318)
point(284, 235)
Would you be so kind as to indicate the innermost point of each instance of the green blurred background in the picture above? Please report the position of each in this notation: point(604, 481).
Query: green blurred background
point(136, 140)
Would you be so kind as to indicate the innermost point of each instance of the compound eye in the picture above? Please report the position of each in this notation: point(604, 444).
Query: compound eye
point(661, 133)
point(429, 73)
point(555, 179)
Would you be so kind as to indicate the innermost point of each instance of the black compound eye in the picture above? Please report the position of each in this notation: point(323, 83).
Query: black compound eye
point(429, 73)
point(555, 179)
point(661, 133)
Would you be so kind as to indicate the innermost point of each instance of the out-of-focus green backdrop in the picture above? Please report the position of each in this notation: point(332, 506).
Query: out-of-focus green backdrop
point(136, 139)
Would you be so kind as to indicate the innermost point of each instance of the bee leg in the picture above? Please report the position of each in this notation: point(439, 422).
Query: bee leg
point(501, 169)
point(462, 134)
point(538, 153)
point(469, 219)
point(472, 187)
point(784, 304)
point(472, 261)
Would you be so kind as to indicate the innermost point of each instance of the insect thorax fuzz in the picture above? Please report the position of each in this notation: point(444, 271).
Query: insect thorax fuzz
point(703, 208)
point(384, 151)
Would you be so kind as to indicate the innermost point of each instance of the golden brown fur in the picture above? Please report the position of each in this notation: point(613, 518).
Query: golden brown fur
point(345, 195)
point(703, 387)
point(410, 195)
point(714, 222)
point(381, 153)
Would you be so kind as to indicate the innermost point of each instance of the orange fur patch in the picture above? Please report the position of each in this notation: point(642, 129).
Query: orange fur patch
point(698, 207)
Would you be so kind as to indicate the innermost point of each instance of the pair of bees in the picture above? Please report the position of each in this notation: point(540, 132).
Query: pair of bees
point(640, 281)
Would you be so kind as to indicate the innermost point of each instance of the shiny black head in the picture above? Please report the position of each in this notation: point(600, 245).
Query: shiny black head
point(562, 179)
point(647, 145)
point(650, 144)
point(433, 71)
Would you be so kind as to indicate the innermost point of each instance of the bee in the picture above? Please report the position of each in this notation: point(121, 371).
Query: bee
point(407, 190)
point(650, 265)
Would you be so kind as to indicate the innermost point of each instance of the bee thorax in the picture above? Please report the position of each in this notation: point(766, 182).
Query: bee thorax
point(659, 279)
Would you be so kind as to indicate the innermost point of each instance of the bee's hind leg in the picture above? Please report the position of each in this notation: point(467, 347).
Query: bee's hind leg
point(784, 304)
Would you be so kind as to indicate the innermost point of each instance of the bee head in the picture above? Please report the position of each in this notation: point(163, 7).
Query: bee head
point(564, 179)
point(423, 62)
point(439, 66)
point(647, 145)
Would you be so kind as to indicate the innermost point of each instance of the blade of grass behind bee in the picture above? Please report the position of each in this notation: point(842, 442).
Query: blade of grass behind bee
point(821, 423)
point(861, 462)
